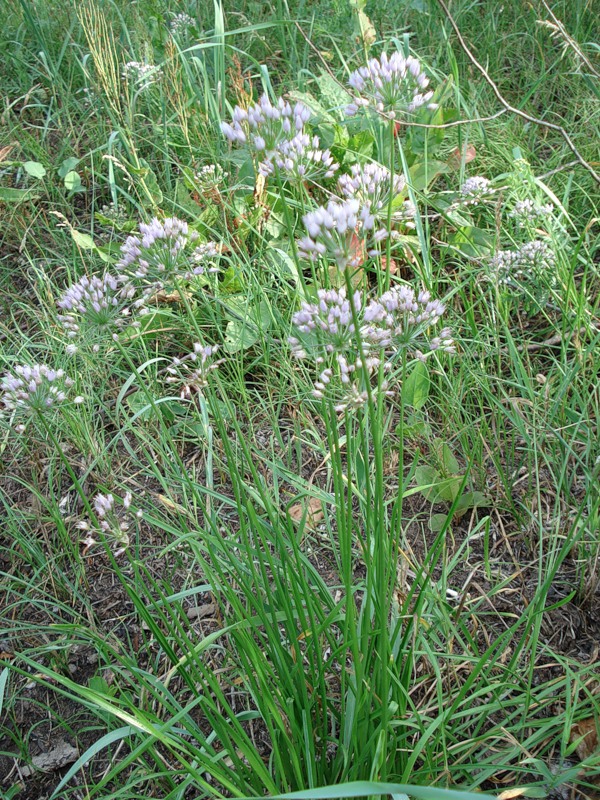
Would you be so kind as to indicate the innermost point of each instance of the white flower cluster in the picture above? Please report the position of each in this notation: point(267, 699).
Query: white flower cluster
point(526, 212)
point(36, 388)
point(373, 187)
point(530, 260)
point(180, 24)
point(192, 371)
point(476, 190)
point(95, 305)
point(211, 177)
point(112, 522)
point(341, 231)
point(141, 74)
point(392, 86)
point(161, 254)
point(301, 158)
point(276, 135)
point(349, 341)
point(159, 251)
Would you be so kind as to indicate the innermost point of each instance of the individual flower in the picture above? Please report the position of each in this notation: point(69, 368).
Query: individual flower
point(526, 212)
point(373, 186)
point(401, 319)
point(94, 306)
point(141, 75)
point(264, 128)
point(35, 389)
point(392, 86)
point(112, 521)
point(180, 24)
point(160, 252)
point(340, 231)
point(192, 371)
point(476, 190)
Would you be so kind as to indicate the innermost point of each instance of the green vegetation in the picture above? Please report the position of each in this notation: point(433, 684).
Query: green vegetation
point(298, 416)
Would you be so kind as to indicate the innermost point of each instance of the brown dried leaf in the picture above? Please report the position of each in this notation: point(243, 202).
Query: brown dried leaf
point(202, 612)
point(393, 268)
point(456, 158)
point(5, 152)
point(60, 755)
point(510, 793)
point(313, 510)
point(587, 732)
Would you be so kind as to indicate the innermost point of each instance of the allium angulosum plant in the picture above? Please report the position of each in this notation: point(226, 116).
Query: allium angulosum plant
point(303, 681)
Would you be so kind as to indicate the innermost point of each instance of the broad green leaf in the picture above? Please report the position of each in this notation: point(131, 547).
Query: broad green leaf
point(149, 188)
point(451, 465)
point(8, 195)
point(427, 479)
point(67, 165)
point(472, 241)
point(423, 173)
point(72, 181)
point(437, 522)
point(360, 146)
point(333, 94)
point(415, 390)
point(247, 327)
point(471, 500)
point(448, 489)
point(83, 240)
point(35, 169)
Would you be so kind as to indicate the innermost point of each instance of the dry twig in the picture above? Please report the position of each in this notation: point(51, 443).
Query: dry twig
point(512, 109)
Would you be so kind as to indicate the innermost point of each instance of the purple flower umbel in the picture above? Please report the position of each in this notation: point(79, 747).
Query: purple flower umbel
point(392, 86)
point(95, 305)
point(36, 388)
point(349, 341)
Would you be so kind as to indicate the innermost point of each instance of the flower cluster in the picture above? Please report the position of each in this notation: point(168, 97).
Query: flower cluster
point(180, 24)
point(340, 231)
point(36, 388)
point(265, 128)
point(392, 86)
point(192, 371)
point(204, 255)
point(211, 177)
point(160, 250)
point(302, 159)
point(476, 190)
point(349, 340)
point(526, 212)
point(373, 186)
point(400, 319)
point(141, 74)
point(94, 305)
point(112, 522)
point(527, 272)
point(530, 260)
point(329, 320)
